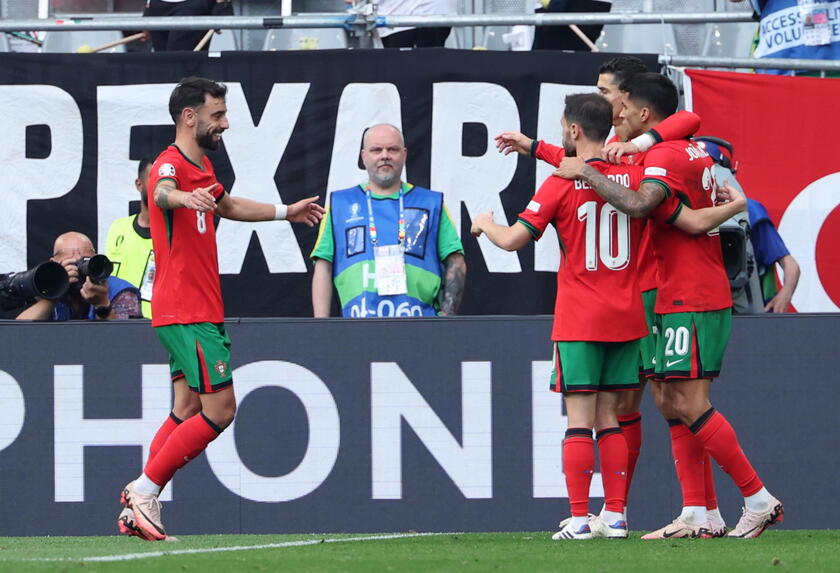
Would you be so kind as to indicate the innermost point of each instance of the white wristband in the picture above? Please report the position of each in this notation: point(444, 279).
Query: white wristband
point(644, 141)
point(280, 211)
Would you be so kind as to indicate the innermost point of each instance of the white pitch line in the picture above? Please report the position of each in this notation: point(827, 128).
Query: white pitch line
point(150, 554)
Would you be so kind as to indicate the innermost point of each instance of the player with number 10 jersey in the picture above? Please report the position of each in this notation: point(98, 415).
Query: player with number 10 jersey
point(598, 297)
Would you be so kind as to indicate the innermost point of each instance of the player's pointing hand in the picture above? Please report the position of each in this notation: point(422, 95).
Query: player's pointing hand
point(305, 211)
point(480, 222)
point(201, 199)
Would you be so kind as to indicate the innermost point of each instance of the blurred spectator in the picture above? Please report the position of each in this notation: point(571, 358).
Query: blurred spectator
point(183, 40)
point(129, 243)
point(770, 250)
point(24, 41)
point(564, 37)
point(801, 29)
point(86, 300)
point(415, 37)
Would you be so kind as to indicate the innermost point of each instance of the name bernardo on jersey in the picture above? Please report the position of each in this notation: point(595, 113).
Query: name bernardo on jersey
point(620, 178)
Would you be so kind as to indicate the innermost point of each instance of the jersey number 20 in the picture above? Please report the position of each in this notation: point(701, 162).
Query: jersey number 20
point(607, 236)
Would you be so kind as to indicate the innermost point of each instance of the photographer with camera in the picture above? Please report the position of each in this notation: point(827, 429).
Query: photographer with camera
point(93, 293)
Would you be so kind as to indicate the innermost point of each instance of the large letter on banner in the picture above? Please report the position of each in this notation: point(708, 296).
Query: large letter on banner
point(361, 106)
point(255, 152)
point(23, 178)
point(474, 181)
point(549, 128)
point(393, 398)
point(119, 109)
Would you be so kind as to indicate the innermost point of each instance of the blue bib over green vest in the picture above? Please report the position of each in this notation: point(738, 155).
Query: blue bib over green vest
point(354, 270)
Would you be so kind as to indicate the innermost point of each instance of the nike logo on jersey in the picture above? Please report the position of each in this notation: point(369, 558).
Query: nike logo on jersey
point(670, 363)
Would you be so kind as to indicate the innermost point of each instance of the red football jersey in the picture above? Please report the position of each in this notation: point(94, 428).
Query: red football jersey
point(186, 287)
point(598, 297)
point(646, 261)
point(677, 126)
point(692, 277)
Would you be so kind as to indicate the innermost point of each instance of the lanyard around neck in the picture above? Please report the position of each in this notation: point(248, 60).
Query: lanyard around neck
point(372, 222)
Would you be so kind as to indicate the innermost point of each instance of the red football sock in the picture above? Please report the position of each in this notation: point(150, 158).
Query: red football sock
point(162, 434)
point(185, 443)
point(709, 482)
point(578, 465)
point(612, 451)
point(631, 427)
point(719, 438)
point(688, 461)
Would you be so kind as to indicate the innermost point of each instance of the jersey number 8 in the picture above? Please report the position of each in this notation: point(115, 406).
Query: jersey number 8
point(201, 222)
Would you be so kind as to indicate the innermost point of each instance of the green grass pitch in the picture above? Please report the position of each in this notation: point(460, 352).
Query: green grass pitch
point(458, 552)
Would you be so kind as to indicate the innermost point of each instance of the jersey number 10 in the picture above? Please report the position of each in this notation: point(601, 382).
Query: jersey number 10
point(607, 236)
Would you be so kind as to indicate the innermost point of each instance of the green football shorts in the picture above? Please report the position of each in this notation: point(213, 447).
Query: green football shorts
point(690, 345)
point(595, 366)
point(200, 352)
point(647, 345)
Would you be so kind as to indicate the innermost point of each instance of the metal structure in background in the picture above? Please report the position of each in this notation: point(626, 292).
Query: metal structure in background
point(362, 20)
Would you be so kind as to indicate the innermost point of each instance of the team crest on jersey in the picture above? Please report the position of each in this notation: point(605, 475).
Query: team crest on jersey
point(221, 368)
point(166, 170)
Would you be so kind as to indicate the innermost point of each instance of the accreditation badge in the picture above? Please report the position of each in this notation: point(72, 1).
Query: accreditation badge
point(390, 270)
point(148, 278)
point(816, 27)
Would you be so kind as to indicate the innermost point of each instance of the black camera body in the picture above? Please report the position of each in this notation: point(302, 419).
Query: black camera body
point(47, 280)
point(97, 267)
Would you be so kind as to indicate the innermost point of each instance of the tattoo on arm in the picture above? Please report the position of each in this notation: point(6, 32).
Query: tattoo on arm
point(455, 276)
point(634, 203)
point(162, 192)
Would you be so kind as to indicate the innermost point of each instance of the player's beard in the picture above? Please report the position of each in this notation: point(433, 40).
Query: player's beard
point(144, 197)
point(205, 139)
point(569, 147)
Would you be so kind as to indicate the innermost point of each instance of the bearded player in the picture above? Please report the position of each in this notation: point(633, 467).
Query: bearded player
point(693, 313)
point(599, 317)
point(188, 314)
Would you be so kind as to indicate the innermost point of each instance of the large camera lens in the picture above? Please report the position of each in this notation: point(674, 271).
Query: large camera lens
point(97, 267)
point(47, 280)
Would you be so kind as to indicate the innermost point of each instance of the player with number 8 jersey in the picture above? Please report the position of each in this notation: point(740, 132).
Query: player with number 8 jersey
point(186, 288)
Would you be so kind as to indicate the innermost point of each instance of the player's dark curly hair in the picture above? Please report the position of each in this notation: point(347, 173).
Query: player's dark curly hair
point(190, 93)
point(622, 68)
point(591, 112)
point(654, 91)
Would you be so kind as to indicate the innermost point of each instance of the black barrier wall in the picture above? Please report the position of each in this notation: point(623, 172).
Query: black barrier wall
point(76, 126)
point(376, 425)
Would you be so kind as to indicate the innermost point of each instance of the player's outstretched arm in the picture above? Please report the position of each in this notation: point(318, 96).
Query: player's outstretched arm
point(634, 203)
point(704, 220)
point(454, 279)
point(322, 288)
point(305, 211)
point(509, 141)
point(510, 238)
point(168, 197)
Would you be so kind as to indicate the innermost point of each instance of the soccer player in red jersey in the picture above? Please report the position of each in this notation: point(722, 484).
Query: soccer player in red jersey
point(598, 312)
point(693, 313)
point(680, 125)
point(188, 314)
